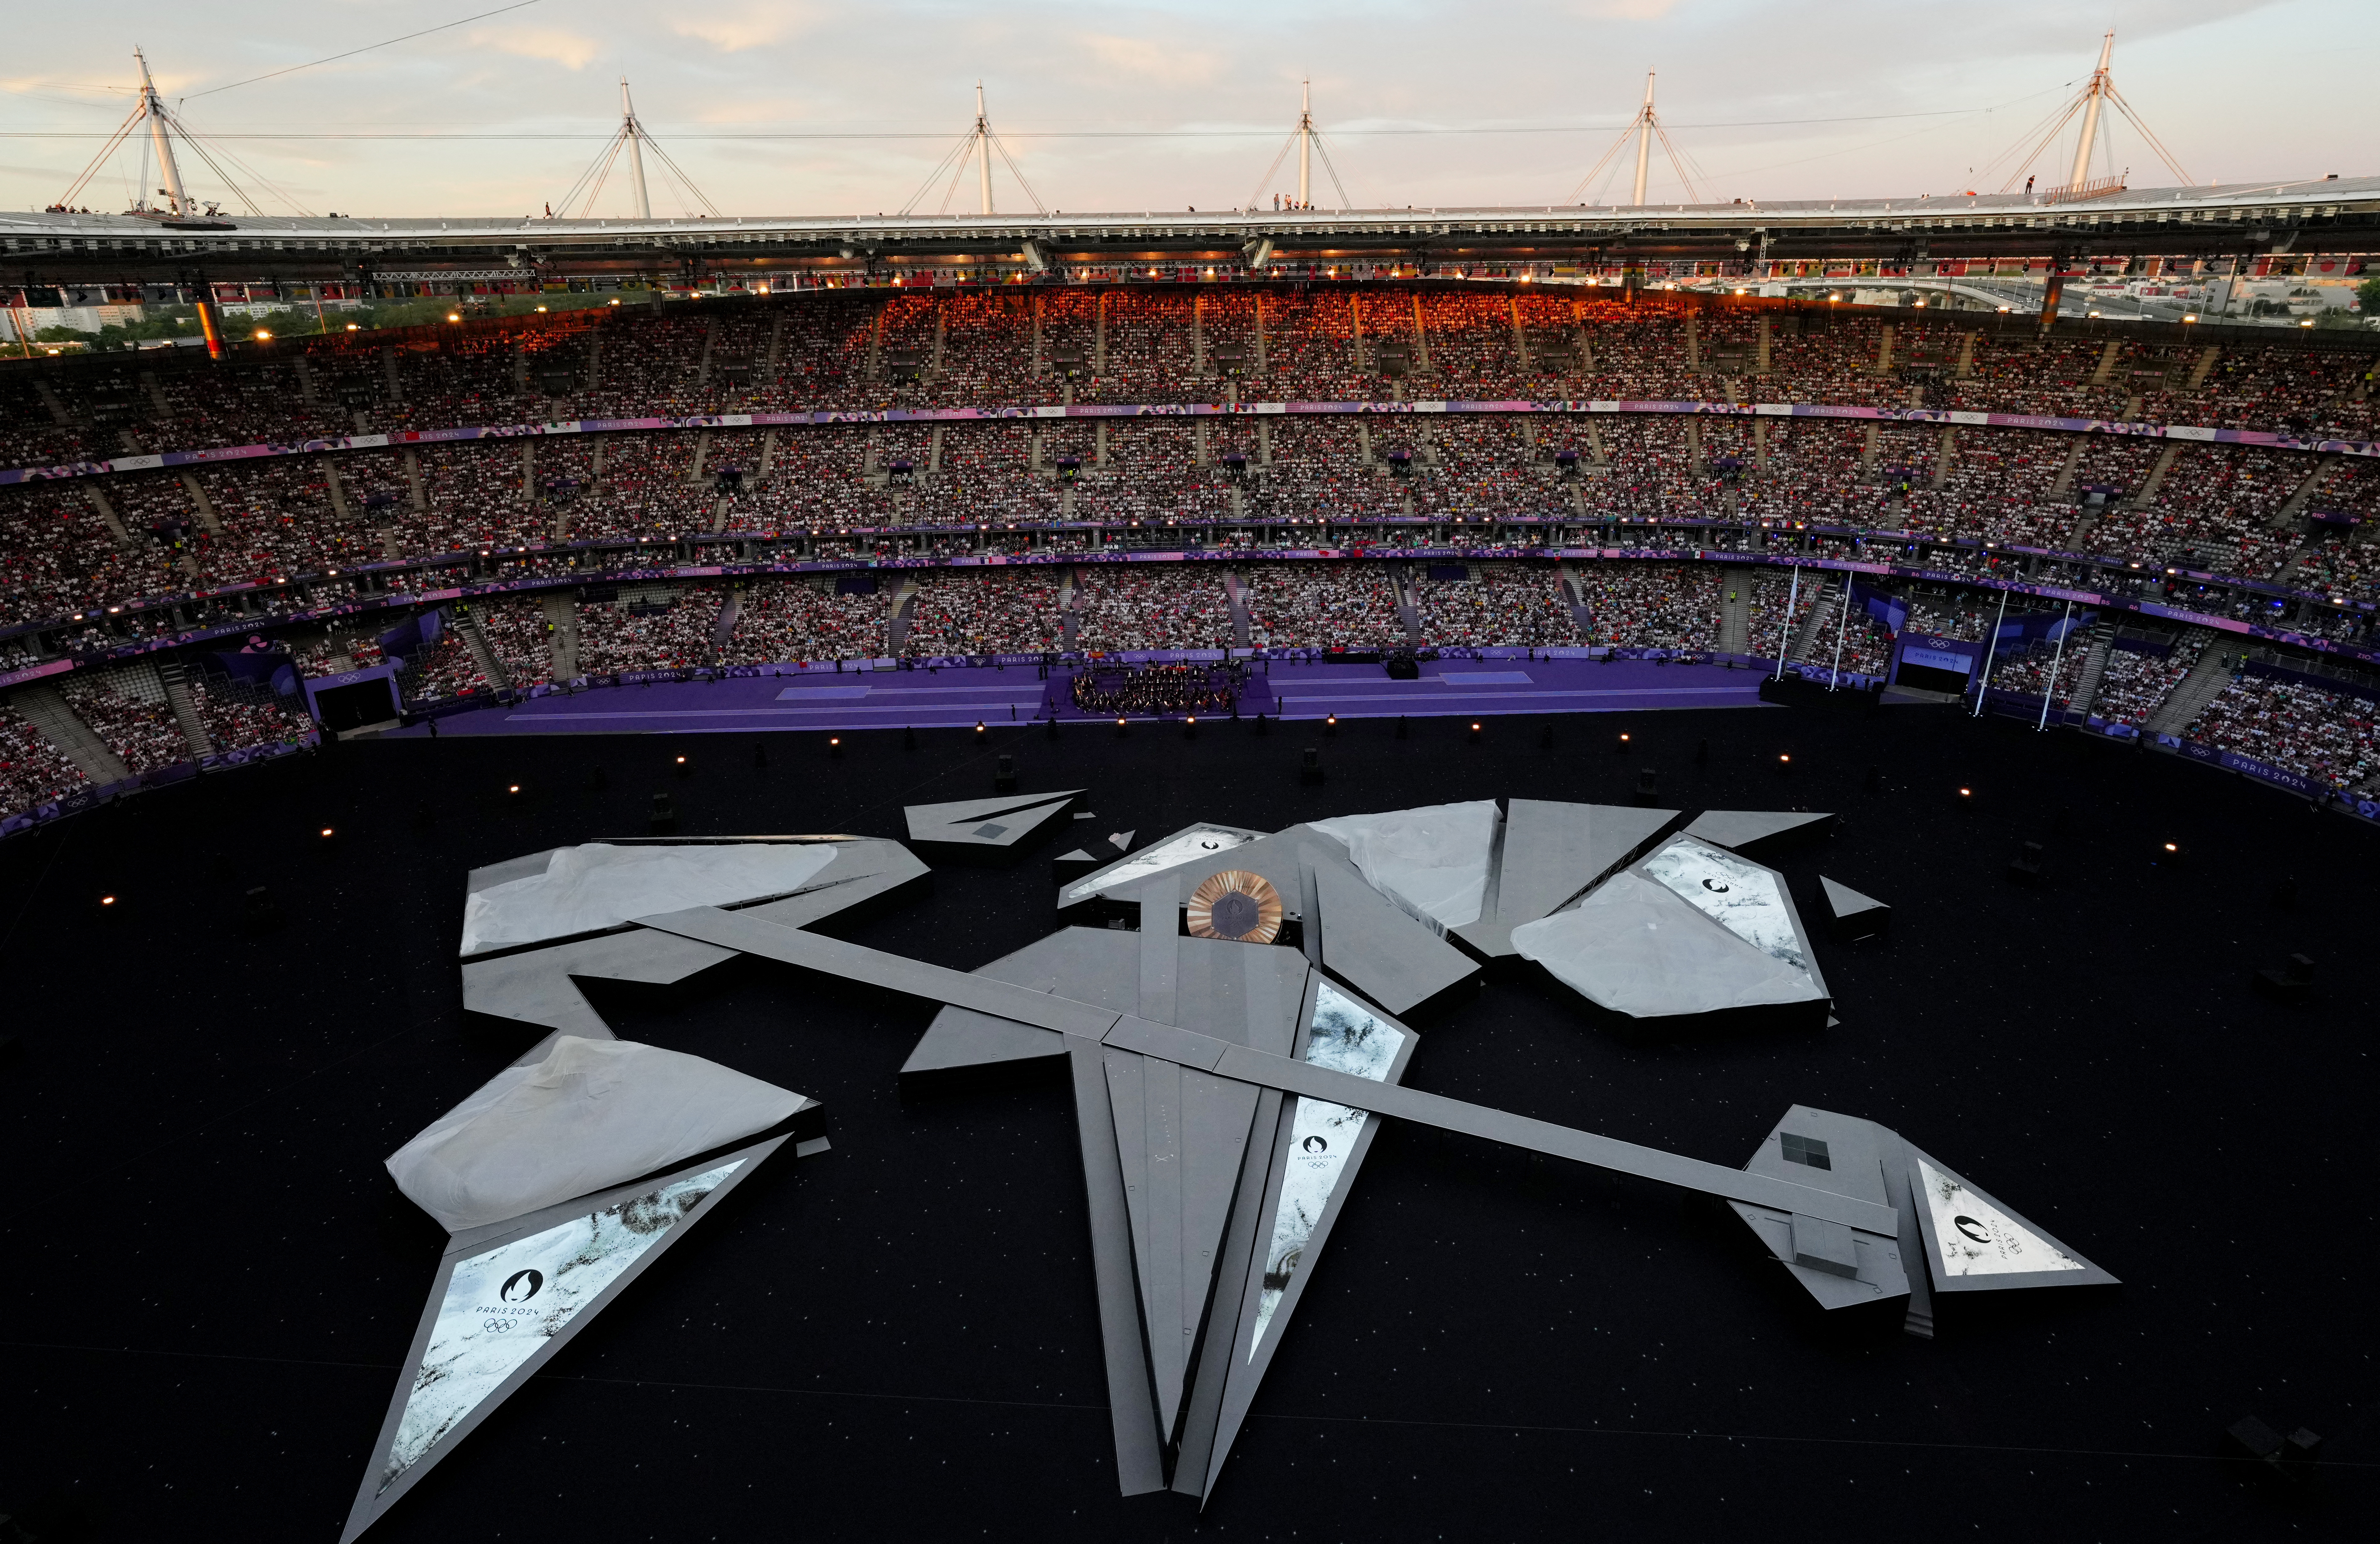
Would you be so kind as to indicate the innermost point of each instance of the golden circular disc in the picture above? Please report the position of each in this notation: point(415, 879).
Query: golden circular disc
point(1237, 907)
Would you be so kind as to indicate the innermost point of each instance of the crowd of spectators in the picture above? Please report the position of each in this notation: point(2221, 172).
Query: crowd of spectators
point(796, 621)
point(518, 635)
point(660, 629)
point(2323, 735)
point(993, 611)
point(1120, 606)
point(1495, 604)
point(127, 709)
point(2134, 682)
point(236, 721)
point(1651, 605)
point(1320, 605)
point(33, 771)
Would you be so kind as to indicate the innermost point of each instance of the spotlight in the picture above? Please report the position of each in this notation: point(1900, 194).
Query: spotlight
point(514, 789)
point(834, 744)
point(1190, 727)
point(2172, 848)
point(108, 900)
point(327, 833)
point(978, 727)
point(1330, 724)
point(1474, 732)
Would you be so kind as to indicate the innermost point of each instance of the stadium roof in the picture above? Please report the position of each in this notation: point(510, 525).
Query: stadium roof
point(2325, 215)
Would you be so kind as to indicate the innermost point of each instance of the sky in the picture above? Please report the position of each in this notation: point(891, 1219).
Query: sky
point(799, 108)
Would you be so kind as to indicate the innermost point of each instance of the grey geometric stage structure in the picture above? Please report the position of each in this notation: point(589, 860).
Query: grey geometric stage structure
point(1744, 830)
point(1852, 916)
point(1693, 936)
point(986, 830)
point(1226, 1091)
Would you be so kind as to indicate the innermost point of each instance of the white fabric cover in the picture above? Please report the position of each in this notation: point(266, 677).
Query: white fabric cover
point(1634, 947)
point(592, 1113)
point(1432, 860)
point(598, 885)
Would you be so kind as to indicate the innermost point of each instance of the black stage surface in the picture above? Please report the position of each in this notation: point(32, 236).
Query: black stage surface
point(212, 1280)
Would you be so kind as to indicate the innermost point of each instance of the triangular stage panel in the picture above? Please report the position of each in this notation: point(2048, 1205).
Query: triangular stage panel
point(1742, 830)
point(1548, 853)
point(986, 830)
point(1974, 1244)
point(1847, 1156)
point(1851, 915)
point(1316, 1149)
point(508, 1295)
point(1180, 1136)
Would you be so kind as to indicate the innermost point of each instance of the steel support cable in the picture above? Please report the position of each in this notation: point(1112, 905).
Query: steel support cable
point(2056, 127)
point(1694, 194)
point(653, 145)
point(1267, 178)
point(206, 142)
point(1016, 172)
point(935, 175)
point(1617, 146)
point(107, 150)
point(2154, 144)
point(601, 171)
point(1322, 148)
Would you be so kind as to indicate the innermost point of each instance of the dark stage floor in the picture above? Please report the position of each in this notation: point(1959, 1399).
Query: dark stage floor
point(210, 1279)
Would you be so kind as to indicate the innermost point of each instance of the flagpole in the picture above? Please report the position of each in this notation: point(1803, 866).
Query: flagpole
point(1785, 630)
point(1991, 652)
point(2055, 661)
point(1842, 620)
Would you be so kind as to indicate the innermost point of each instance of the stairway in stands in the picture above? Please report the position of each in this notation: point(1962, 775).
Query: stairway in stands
point(2094, 668)
point(562, 617)
point(482, 655)
point(1735, 611)
point(48, 712)
point(1818, 627)
point(2202, 685)
point(177, 682)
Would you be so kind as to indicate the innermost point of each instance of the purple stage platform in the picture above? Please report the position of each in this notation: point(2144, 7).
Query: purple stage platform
point(962, 698)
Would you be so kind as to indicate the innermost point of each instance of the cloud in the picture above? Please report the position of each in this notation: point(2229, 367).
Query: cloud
point(567, 49)
point(754, 25)
point(1153, 60)
point(1627, 10)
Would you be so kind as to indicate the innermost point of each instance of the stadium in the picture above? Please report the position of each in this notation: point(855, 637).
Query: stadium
point(1387, 605)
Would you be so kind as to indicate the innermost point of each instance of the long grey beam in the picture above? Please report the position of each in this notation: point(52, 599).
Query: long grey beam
point(1170, 1043)
point(874, 967)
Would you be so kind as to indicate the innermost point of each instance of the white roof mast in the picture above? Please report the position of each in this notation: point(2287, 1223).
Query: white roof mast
point(1643, 140)
point(635, 134)
point(2094, 95)
point(982, 150)
point(179, 203)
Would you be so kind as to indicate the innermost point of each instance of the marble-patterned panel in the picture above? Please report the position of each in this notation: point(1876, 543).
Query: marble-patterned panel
point(1979, 1239)
point(502, 1306)
point(1739, 894)
point(1175, 850)
point(1345, 1037)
